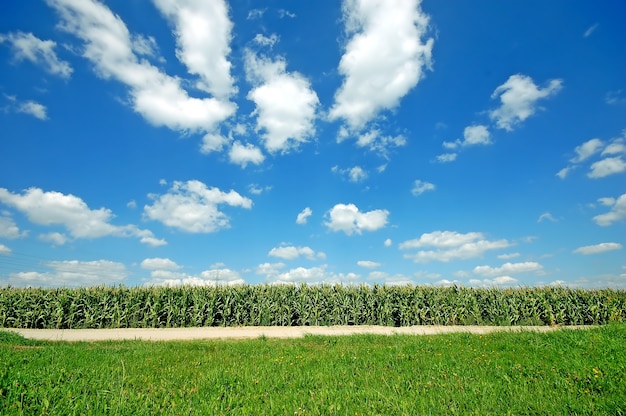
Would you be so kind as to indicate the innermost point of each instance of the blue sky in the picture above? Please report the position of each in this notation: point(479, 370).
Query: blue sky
point(478, 143)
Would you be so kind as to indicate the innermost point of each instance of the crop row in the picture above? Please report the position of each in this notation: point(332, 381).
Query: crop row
point(248, 305)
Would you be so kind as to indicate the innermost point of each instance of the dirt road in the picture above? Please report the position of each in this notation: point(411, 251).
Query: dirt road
point(170, 334)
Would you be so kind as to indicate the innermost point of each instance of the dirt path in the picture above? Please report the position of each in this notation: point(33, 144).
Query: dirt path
point(170, 334)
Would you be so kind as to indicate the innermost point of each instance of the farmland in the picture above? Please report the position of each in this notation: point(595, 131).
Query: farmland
point(562, 372)
point(303, 305)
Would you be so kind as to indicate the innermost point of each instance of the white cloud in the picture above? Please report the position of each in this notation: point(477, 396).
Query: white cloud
point(55, 208)
point(55, 238)
point(354, 174)
point(476, 134)
point(598, 248)
point(388, 242)
point(615, 147)
point(349, 219)
point(606, 167)
point(546, 216)
point(565, 171)
point(72, 273)
point(508, 256)
point(383, 59)
point(27, 46)
point(292, 252)
point(213, 277)
point(313, 275)
point(586, 150)
point(498, 281)
point(159, 263)
point(10, 230)
point(241, 154)
point(286, 105)
point(34, 109)
point(255, 189)
point(519, 96)
point(419, 187)
point(192, 207)
point(203, 35)
point(159, 98)
point(614, 97)
point(450, 245)
point(617, 213)
point(446, 157)
point(508, 268)
point(607, 201)
point(368, 264)
point(256, 14)
point(379, 143)
point(303, 216)
point(590, 30)
point(268, 41)
point(4, 250)
point(282, 13)
point(213, 142)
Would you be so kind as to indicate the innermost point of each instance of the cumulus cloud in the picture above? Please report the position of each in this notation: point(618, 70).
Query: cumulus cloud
point(192, 207)
point(388, 242)
point(10, 230)
point(354, 174)
point(508, 268)
point(598, 248)
point(203, 36)
point(55, 208)
point(586, 150)
point(383, 60)
point(4, 250)
point(368, 264)
point(472, 135)
point(242, 154)
point(375, 141)
point(498, 281)
point(159, 263)
point(72, 273)
point(158, 97)
point(303, 216)
point(292, 252)
point(606, 167)
point(286, 105)
point(617, 213)
point(313, 275)
point(33, 108)
point(27, 46)
point(213, 277)
point(450, 245)
point(446, 157)
point(519, 96)
point(419, 187)
point(55, 238)
point(348, 218)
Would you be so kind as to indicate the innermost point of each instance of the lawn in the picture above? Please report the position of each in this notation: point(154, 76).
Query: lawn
point(520, 373)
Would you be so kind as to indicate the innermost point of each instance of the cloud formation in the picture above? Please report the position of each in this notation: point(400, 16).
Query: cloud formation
point(192, 207)
point(450, 245)
point(303, 216)
point(348, 218)
point(72, 273)
point(519, 96)
point(384, 58)
point(27, 46)
point(158, 97)
point(598, 248)
point(55, 208)
point(286, 105)
point(291, 252)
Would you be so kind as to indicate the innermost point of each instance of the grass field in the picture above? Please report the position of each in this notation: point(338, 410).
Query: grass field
point(521, 373)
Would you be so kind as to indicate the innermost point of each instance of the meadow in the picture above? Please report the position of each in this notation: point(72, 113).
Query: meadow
point(304, 305)
point(564, 372)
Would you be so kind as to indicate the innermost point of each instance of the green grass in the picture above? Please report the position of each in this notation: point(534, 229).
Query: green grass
point(521, 373)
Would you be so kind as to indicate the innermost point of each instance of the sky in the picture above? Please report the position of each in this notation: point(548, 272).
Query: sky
point(475, 143)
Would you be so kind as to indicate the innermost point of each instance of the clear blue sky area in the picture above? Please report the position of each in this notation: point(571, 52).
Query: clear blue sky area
point(478, 143)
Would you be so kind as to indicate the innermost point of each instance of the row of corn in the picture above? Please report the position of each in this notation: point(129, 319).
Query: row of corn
point(301, 305)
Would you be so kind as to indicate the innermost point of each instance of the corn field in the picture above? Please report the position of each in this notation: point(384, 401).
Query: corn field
point(252, 305)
